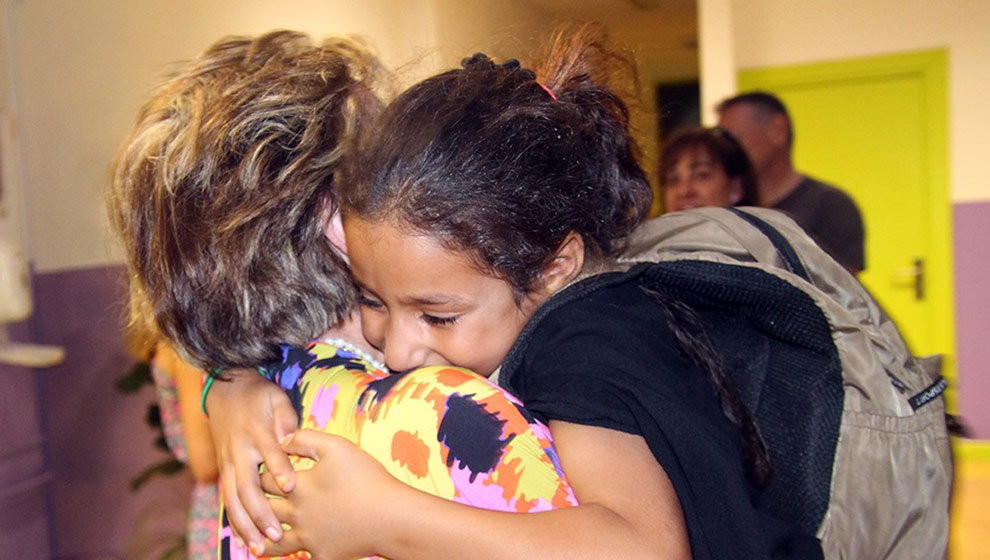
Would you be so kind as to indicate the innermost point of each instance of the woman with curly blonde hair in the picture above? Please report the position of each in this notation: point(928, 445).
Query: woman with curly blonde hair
point(225, 199)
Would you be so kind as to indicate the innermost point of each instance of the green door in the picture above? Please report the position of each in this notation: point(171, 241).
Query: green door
point(877, 128)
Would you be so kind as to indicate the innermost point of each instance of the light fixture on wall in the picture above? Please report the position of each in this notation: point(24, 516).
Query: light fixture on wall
point(15, 305)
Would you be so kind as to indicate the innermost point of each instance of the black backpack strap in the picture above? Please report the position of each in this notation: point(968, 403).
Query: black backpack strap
point(784, 248)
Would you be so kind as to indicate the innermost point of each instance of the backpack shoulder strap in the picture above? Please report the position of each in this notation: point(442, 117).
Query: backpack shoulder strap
point(784, 249)
point(718, 234)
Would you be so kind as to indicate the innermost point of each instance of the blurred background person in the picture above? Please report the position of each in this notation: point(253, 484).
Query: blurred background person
point(760, 122)
point(179, 387)
point(705, 167)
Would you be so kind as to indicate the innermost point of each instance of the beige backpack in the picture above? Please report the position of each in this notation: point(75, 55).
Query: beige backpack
point(854, 423)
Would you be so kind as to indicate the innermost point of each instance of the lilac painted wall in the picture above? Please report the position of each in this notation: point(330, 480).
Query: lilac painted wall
point(96, 438)
point(24, 516)
point(972, 258)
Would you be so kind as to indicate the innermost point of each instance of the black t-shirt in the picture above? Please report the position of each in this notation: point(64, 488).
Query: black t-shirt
point(831, 218)
point(601, 354)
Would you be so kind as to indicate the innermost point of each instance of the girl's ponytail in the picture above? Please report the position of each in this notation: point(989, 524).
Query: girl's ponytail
point(503, 162)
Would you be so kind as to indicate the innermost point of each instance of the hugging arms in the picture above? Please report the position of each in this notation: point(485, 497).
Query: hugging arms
point(468, 206)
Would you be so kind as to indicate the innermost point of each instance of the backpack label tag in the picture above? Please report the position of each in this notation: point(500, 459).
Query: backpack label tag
point(929, 393)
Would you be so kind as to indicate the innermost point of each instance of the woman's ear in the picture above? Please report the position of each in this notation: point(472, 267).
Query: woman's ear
point(565, 265)
point(334, 230)
point(778, 129)
point(735, 191)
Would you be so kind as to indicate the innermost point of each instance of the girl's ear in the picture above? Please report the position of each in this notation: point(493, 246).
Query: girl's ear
point(334, 230)
point(565, 265)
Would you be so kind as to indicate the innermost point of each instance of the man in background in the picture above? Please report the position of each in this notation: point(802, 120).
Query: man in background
point(762, 125)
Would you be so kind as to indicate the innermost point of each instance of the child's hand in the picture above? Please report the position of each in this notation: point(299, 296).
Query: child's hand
point(339, 507)
point(248, 415)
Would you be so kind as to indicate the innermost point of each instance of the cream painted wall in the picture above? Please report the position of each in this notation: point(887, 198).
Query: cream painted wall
point(77, 71)
point(12, 206)
point(716, 56)
point(81, 68)
point(779, 32)
point(500, 28)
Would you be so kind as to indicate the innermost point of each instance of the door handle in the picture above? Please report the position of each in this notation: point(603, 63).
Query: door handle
point(916, 275)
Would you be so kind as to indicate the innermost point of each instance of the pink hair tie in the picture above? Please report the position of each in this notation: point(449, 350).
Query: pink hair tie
point(546, 89)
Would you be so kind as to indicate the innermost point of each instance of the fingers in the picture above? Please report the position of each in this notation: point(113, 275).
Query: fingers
point(255, 506)
point(283, 415)
point(240, 523)
point(270, 487)
point(284, 420)
point(310, 443)
point(283, 510)
point(290, 543)
point(277, 463)
point(248, 413)
point(265, 446)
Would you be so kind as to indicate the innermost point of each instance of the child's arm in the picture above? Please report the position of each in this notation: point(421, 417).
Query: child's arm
point(195, 427)
point(248, 415)
point(628, 507)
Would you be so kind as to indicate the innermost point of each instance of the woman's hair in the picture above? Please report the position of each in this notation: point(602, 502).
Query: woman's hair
point(722, 147)
point(502, 162)
point(222, 191)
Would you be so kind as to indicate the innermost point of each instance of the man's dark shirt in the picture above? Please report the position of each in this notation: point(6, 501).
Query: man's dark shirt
point(831, 218)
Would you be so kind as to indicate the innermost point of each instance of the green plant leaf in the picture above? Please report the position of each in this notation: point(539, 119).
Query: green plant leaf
point(175, 552)
point(133, 380)
point(167, 467)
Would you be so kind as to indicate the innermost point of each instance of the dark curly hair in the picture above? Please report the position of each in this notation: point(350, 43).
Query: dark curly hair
point(222, 191)
point(502, 162)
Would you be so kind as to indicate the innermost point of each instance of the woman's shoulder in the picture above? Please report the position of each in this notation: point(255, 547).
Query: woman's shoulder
point(321, 356)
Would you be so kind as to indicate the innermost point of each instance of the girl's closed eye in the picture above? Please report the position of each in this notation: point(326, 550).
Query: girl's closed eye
point(440, 321)
point(365, 300)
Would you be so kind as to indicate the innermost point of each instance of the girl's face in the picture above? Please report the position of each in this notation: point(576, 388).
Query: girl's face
point(424, 305)
point(696, 179)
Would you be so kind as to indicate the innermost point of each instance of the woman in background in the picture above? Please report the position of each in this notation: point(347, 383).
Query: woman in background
point(187, 432)
point(705, 167)
point(224, 196)
point(188, 436)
